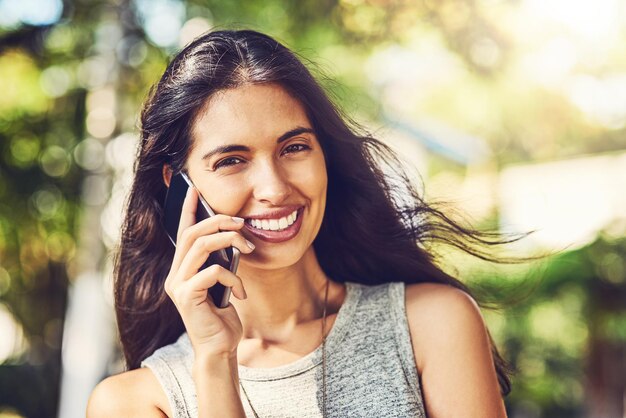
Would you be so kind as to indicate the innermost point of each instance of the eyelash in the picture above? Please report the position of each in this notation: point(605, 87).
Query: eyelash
point(303, 147)
point(233, 160)
point(224, 162)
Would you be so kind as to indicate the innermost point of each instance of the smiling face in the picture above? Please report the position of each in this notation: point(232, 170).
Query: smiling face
point(255, 155)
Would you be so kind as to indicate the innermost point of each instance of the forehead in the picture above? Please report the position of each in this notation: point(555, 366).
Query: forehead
point(246, 115)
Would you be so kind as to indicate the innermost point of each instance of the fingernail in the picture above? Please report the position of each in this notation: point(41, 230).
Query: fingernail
point(237, 219)
point(251, 245)
point(188, 191)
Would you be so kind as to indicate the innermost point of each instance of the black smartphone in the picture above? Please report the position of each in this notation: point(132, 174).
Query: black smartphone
point(227, 258)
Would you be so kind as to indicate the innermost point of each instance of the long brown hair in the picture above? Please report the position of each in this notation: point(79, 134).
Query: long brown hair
point(376, 227)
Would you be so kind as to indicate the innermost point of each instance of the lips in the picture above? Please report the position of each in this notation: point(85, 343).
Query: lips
point(282, 235)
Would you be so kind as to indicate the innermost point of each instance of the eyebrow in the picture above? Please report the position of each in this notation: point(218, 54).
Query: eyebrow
point(233, 147)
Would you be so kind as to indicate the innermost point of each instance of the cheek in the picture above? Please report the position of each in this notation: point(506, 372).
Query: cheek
point(312, 180)
point(224, 197)
point(321, 177)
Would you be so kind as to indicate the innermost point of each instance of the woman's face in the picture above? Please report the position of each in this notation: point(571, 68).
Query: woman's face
point(255, 155)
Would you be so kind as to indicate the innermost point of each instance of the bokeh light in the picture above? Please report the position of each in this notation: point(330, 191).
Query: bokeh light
point(31, 12)
point(12, 343)
point(162, 20)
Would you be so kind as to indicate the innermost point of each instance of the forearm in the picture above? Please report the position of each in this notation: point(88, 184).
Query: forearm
point(217, 387)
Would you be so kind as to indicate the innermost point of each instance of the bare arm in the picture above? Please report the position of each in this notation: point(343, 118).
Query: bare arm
point(452, 353)
point(217, 385)
point(136, 393)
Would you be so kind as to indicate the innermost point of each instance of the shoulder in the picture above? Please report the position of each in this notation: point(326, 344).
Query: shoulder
point(452, 352)
point(446, 302)
point(439, 314)
point(135, 393)
point(435, 293)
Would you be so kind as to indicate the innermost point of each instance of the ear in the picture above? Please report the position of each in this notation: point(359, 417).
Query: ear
point(167, 174)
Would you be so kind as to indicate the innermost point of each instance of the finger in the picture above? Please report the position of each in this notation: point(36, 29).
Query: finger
point(205, 245)
point(188, 212)
point(207, 226)
point(212, 225)
point(194, 290)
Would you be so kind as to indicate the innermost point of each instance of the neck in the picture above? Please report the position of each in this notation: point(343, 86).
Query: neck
point(280, 300)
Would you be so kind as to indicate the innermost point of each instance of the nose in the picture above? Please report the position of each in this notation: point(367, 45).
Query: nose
point(271, 183)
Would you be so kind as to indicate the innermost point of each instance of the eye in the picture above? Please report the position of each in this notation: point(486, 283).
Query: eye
point(294, 148)
point(227, 162)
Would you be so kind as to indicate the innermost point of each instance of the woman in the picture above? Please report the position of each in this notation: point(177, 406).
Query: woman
point(338, 308)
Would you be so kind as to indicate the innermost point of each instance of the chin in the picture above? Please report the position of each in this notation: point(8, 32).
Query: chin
point(272, 259)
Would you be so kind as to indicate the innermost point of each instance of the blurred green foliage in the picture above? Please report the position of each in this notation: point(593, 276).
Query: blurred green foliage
point(562, 328)
point(562, 336)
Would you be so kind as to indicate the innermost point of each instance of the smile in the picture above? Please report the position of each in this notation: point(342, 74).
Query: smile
point(275, 224)
point(276, 229)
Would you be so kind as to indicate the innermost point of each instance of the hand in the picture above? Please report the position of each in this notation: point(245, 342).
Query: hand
point(213, 331)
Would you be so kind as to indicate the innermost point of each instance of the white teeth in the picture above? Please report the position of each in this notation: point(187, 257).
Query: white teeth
point(275, 224)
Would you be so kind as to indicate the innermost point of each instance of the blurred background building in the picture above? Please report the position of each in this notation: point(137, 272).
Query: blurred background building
point(513, 110)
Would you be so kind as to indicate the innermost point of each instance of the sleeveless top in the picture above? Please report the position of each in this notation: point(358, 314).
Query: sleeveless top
point(370, 367)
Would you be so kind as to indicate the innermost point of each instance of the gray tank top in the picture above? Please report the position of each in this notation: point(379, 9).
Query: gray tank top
point(370, 367)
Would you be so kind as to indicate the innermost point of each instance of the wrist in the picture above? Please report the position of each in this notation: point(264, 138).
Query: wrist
point(218, 366)
point(217, 385)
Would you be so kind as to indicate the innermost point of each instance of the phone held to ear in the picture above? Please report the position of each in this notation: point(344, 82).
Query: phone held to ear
point(227, 258)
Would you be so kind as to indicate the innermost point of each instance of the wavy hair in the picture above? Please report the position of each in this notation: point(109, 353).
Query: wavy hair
point(371, 202)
